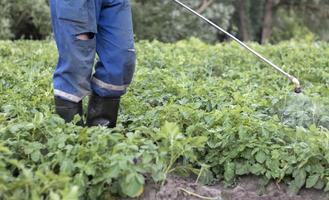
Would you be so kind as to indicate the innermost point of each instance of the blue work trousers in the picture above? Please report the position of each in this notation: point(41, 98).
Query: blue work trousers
point(108, 23)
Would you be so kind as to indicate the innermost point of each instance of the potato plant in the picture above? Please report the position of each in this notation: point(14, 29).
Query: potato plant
point(210, 110)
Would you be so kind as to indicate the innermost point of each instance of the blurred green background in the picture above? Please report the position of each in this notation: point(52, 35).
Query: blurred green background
point(251, 20)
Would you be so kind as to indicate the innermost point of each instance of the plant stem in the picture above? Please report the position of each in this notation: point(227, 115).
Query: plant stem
point(200, 196)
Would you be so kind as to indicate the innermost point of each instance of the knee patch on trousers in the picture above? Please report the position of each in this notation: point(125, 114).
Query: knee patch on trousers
point(129, 66)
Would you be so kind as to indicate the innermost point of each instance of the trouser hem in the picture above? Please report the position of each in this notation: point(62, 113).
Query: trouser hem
point(108, 86)
point(68, 96)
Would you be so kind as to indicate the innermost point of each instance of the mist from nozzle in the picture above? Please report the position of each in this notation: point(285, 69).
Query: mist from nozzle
point(300, 110)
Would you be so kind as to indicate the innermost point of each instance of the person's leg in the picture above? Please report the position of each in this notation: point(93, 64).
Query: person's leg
point(74, 27)
point(114, 71)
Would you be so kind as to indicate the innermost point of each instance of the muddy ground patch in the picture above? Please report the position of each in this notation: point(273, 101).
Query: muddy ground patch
point(248, 188)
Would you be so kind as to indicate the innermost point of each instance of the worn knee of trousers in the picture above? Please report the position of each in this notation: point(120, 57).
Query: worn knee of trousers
point(85, 36)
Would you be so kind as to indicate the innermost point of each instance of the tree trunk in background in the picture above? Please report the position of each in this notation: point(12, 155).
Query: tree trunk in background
point(243, 20)
point(268, 22)
point(204, 5)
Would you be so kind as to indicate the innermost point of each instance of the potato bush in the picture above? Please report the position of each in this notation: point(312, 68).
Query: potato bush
point(212, 110)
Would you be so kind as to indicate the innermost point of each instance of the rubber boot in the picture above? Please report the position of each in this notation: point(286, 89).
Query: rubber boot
point(103, 111)
point(67, 110)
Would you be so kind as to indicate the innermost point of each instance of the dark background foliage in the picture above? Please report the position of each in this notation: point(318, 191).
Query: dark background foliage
point(251, 20)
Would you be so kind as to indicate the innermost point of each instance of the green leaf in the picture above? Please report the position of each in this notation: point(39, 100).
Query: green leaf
point(261, 157)
point(72, 194)
point(133, 188)
point(319, 185)
point(326, 189)
point(242, 169)
point(35, 156)
point(54, 196)
point(67, 166)
point(170, 130)
point(257, 169)
point(312, 180)
point(114, 171)
point(298, 182)
point(229, 173)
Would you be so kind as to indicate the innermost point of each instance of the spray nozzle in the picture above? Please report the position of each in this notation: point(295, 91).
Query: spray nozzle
point(295, 81)
point(298, 90)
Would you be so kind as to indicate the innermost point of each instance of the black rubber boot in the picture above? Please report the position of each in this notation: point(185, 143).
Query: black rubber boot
point(67, 110)
point(103, 111)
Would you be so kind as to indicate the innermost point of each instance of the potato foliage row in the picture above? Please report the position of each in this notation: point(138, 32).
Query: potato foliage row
point(213, 111)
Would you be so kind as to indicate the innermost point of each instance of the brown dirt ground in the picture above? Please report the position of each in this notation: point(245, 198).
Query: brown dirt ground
point(248, 188)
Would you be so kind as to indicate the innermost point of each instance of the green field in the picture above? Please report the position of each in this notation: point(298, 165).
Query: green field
point(214, 111)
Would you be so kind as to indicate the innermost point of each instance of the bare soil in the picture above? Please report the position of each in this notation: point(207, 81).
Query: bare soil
point(248, 188)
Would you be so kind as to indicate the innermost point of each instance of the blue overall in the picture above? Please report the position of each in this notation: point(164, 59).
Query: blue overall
point(109, 26)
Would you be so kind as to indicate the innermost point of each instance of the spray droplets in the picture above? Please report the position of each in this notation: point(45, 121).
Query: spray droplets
point(300, 110)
